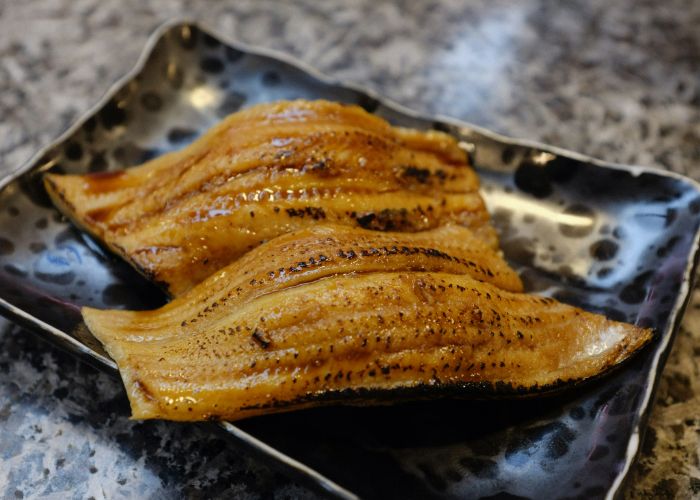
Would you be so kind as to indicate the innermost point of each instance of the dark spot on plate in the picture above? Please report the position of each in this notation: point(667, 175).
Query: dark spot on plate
point(231, 103)
point(604, 272)
point(112, 115)
point(671, 214)
point(98, 162)
point(562, 169)
point(603, 250)
point(6, 246)
point(151, 101)
point(559, 442)
point(271, 78)
point(507, 154)
point(210, 41)
point(520, 250)
point(577, 413)
point(635, 292)
point(89, 127)
point(664, 250)
point(73, 151)
point(521, 448)
point(61, 392)
point(532, 179)
point(37, 247)
point(694, 206)
point(368, 103)
point(181, 135)
point(212, 65)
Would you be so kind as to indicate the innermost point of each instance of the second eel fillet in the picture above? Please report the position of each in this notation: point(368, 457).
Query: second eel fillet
point(266, 171)
point(333, 314)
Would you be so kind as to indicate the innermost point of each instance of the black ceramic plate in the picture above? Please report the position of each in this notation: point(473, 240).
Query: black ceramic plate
point(613, 239)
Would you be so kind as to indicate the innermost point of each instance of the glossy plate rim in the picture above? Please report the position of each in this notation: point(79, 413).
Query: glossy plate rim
point(323, 483)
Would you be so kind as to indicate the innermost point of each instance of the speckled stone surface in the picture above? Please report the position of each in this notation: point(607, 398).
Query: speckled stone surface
point(620, 82)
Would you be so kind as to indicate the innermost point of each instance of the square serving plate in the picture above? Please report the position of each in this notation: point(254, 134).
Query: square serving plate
point(613, 239)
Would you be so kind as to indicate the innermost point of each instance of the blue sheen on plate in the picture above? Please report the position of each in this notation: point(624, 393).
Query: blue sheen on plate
point(612, 239)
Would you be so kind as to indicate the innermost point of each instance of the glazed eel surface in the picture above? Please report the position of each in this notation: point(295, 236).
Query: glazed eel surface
point(269, 170)
point(333, 314)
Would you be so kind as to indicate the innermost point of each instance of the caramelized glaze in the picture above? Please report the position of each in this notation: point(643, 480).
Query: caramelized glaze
point(266, 171)
point(333, 314)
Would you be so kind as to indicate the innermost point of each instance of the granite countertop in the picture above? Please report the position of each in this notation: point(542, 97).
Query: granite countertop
point(615, 80)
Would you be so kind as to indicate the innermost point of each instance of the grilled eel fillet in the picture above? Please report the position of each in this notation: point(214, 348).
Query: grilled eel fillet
point(269, 170)
point(329, 315)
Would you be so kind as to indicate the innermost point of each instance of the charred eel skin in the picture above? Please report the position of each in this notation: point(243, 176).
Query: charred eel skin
point(284, 328)
point(269, 170)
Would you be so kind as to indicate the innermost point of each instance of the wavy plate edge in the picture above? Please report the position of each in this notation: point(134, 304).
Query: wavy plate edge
point(325, 484)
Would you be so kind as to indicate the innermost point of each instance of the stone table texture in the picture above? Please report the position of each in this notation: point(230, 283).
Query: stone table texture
point(614, 80)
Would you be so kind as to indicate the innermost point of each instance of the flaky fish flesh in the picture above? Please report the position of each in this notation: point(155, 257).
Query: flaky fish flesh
point(333, 314)
point(269, 170)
